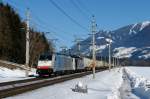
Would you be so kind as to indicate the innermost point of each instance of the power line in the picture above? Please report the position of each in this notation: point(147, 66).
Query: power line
point(78, 7)
point(60, 39)
point(37, 22)
point(83, 6)
point(52, 32)
point(44, 23)
point(78, 44)
point(68, 16)
point(37, 19)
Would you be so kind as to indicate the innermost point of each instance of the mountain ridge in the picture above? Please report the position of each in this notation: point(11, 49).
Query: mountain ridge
point(131, 41)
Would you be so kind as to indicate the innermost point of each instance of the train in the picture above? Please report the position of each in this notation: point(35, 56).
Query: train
point(59, 64)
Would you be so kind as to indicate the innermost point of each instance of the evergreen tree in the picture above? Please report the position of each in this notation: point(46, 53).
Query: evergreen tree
point(13, 38)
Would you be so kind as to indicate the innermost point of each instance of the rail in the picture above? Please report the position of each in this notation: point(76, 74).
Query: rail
point(17, 87)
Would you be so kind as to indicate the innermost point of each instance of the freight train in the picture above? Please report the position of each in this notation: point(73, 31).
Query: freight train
point(58, 64)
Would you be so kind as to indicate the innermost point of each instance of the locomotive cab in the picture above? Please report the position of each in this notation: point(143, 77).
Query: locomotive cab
point(45, 65)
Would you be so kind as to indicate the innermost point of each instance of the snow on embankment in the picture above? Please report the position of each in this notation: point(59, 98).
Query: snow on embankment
point(5, 72)
point(139, 84)
point(12, 74)
point(115, 92)
point(104, 86)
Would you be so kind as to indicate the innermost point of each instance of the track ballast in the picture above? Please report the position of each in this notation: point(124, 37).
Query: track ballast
point(17, 87)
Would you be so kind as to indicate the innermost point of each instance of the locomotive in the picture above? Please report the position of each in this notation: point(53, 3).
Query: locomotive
point(58, 64)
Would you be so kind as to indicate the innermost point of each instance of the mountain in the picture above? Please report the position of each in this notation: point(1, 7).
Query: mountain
point(131, 41)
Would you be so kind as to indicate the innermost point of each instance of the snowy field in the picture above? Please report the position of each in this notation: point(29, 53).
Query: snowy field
point(142, 71)
point(104, 86)
point(139, 80)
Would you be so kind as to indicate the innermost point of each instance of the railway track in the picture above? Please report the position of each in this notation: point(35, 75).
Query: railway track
point(17, 87)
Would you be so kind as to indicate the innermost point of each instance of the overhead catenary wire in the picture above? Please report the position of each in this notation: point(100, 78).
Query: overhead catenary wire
point(42, 24)
point(61, 40)
point(67, 15)
point(52, 32)
point(85, 8)
point(52, 26)
point(79, 2)
point(79, 9)
point(45, 23)
point(37, 21)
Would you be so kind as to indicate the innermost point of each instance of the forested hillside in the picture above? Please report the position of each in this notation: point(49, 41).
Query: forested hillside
point(13, 38)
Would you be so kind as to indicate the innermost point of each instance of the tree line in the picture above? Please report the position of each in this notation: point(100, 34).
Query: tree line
point(13, 38)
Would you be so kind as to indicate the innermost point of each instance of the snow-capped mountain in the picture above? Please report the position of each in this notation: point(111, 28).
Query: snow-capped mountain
point(132, 41)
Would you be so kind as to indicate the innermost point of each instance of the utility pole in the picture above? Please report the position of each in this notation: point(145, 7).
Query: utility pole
point(77, 41)
point(101, 60)
point(105, 61)
point(109, 52)
point(113, 62)
point(118, 63)
point(93, 45)
point(52, 41)
point(27, 41)
point(63, 49)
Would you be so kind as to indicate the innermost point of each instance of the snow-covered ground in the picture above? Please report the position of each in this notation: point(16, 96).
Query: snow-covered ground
point(13, 74)
point(141, 71)
point(140, 82)
point(104, 86)
point(128, 83)
point(123, 52)
point(126, 89)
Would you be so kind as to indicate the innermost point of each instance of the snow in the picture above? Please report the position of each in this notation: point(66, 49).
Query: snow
point(140, 81)
point(132, 29)
point(123, 52)
point(144, 24)
point(13, 74)
point(104, 86)
point(145, 56)
point(100, 48)
point(80, 84)
point(100, 37)
point(141, 71)
point(123, 83)
point(145, 52)
point(109, 40)
point(125, 89)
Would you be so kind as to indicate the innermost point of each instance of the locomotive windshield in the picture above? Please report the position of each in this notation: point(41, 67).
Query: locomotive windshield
point(45, 57)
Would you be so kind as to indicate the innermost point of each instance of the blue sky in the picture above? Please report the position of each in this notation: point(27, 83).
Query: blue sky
point(110, 15)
